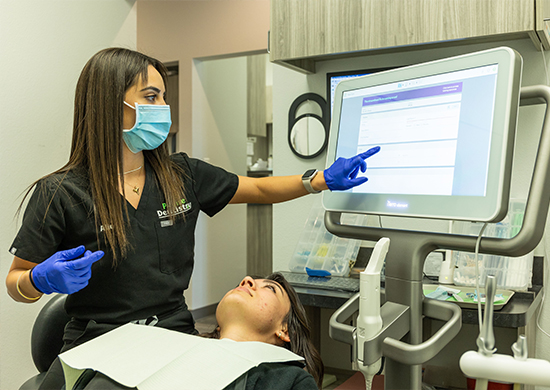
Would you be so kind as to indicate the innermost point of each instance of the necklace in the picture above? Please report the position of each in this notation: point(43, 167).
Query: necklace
point(134, 188)
point(133, 170)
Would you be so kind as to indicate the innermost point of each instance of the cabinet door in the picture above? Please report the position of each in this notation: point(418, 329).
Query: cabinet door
point(256, 95)
point(302, 29)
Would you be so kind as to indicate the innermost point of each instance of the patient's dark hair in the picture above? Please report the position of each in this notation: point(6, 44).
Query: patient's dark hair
point(298, 331)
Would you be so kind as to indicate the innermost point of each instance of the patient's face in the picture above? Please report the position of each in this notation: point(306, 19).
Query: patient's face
point(259, 304)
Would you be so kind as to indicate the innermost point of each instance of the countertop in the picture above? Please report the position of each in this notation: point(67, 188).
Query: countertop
point(516, 313)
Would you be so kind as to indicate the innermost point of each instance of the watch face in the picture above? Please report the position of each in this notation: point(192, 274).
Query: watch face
point(308, 173)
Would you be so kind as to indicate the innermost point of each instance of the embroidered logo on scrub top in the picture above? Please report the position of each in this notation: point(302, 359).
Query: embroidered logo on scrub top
point(182, 208)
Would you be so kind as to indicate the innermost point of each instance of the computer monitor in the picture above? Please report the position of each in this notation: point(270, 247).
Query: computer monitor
point(334, 78)
point(446, 131)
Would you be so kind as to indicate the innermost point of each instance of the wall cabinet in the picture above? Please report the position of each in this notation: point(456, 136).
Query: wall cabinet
point(305, 31)
point(256, 95)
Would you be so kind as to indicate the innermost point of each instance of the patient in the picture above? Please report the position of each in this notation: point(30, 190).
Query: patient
point(266, 310)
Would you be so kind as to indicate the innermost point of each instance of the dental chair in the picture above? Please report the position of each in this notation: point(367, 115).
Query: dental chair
point(47, 338)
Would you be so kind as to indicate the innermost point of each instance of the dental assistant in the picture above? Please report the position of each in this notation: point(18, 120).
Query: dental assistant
point(114, 227)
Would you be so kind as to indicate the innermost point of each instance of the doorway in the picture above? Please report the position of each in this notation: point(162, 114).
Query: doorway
point(239, 240)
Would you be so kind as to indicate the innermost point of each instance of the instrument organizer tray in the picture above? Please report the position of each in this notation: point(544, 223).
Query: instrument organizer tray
point(337, 283)
point(469, 302)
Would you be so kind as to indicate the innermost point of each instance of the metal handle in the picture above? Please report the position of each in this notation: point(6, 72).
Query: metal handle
point(421, 353)
point(337, 329)
point(396, 318)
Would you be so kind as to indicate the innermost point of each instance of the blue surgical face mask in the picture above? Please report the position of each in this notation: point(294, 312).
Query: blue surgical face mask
point(151, 129)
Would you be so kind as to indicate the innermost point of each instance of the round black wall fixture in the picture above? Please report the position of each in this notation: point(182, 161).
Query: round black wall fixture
point(308, 133)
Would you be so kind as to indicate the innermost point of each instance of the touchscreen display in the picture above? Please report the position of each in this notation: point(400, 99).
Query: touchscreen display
point(435, 133)
point(446, 134)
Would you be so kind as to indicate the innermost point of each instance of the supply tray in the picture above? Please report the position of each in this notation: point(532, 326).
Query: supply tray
point(469, 303)
point(318, 249)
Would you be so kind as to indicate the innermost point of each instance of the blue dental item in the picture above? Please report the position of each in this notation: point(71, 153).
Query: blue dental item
point(318, 272)
point(439, 294)
point(444, 293)
point(497, 297)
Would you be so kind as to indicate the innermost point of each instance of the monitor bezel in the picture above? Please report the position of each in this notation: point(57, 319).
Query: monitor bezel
point(357, 72)
point(490, 208)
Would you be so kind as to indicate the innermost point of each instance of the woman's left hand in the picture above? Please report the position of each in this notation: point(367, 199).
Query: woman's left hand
point(342, 175)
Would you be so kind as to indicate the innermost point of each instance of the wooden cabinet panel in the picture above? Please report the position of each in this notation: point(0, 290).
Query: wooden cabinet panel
point(302, 30)
point(256, 95)
point(259, 252)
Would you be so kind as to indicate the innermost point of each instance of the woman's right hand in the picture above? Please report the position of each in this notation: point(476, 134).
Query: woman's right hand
point(65, 272)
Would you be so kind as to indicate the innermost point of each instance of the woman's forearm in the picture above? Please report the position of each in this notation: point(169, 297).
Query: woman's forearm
point(19, 285)
point(275, 189)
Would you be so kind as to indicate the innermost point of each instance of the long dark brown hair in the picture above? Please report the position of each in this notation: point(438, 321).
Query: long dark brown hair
point(96, 149)
point(298, 331)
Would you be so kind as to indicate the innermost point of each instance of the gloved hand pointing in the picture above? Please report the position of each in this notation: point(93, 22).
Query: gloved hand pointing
point(342, 175)
point(63, 272)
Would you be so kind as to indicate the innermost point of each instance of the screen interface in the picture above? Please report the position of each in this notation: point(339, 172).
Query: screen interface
point(434, 133)
point(335, 80)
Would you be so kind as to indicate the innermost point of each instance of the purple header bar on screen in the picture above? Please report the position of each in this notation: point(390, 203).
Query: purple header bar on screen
point(413, 94)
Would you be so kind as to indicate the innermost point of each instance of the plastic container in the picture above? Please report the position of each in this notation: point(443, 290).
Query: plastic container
point(512, 273)
point(319, 249)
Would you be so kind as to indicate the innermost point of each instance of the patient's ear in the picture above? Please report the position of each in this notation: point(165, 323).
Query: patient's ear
point(286, 337)
point(283, 335)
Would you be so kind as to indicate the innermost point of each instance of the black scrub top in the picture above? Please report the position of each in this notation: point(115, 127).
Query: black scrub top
point(151, 279)
point(275, 376)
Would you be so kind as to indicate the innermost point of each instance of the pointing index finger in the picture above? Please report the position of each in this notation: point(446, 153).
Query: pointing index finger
point(85, 261)
point(370, 152)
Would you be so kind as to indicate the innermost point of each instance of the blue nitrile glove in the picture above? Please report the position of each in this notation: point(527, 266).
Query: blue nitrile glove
point(342, 175)
point(64, 272)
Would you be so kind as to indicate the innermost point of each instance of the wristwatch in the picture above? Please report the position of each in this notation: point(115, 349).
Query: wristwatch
point(307, 177)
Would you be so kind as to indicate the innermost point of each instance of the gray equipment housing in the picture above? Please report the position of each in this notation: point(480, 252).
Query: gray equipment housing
point(400, 339)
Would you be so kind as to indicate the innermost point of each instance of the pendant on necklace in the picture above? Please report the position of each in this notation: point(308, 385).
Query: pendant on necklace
point(136, 190)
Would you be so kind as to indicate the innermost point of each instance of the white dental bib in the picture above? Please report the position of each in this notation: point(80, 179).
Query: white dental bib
point(152, 358)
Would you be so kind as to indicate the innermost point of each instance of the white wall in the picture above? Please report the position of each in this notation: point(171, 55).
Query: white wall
point(290, 217)
point(44, 44)
point(186, 30)
point(219, 137)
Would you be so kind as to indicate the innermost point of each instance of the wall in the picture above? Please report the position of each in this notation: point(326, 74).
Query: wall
point(290, 217)
point(219, 111)
point(43, 46)
point(187, 31)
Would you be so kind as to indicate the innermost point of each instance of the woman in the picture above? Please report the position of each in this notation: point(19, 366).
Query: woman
point(265, 310)
point(242, 309)
point(121, 198)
